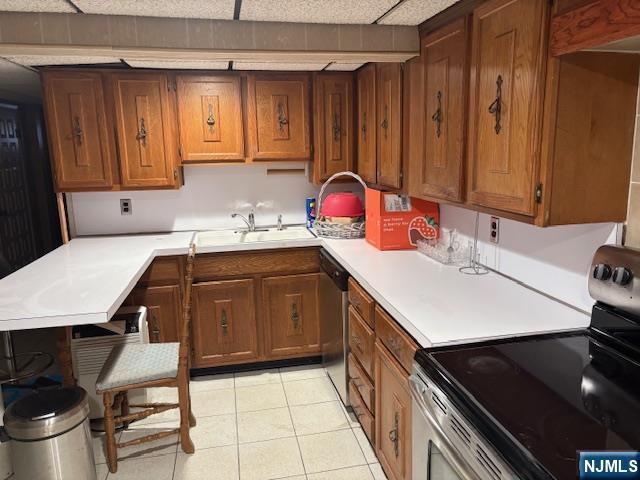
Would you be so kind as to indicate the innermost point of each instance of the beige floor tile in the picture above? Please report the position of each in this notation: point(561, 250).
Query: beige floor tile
point(330, 451)
point(214, 402)
point(161, 395)
point(271, 459)
point(264, 425)
point(216, 431)
point(257, 377)
point(219, 463)
point(366, 447)
point(164, 446)
point(313, 390)
point(260, 397)
point(353, 473)
point(302, 372)
point(378, 473)
point(211, 382)
point(318, 418)
point(156, 468)
point(101, 471)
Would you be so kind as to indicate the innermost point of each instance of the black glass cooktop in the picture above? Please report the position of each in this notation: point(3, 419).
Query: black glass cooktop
point(541, 400)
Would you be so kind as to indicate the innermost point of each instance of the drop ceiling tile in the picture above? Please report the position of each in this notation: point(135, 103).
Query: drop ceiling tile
point(344, 67)
point(38, 60)
point(60, 6)
point(414, 12)
point(218, 9)
point(278, 66)
point(178, 64)
point(318, 11)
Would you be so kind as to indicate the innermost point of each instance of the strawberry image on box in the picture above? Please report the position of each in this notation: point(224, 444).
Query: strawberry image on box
point(422, 228)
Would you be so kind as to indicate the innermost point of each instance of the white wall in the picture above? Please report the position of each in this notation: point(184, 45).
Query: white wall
point(554, 260)
point(210, 194)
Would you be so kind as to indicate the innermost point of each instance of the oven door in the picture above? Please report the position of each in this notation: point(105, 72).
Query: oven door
point(434, 456)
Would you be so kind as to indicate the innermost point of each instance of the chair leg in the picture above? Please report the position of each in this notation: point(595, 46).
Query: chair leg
point(192, 418)
point(124, 408)
point(185, 413)
point(110, 432)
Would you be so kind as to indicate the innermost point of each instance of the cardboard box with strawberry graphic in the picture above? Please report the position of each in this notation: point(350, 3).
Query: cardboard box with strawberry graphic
point(397, 222)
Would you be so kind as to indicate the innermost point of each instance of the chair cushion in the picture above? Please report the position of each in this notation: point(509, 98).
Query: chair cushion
point(135, 363)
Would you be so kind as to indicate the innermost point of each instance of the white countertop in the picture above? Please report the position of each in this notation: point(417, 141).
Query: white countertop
point(87, 280)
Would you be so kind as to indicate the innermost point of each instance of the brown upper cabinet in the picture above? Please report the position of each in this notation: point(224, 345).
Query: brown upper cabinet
point(507, 84)
point(389, 116)
point(439, 174)
point(333, 124)
point(379, 124)
point(145, 128)
point(78, 132)
point(549, 139)
point(210, 118)
point(278, 116)
point(366, 126)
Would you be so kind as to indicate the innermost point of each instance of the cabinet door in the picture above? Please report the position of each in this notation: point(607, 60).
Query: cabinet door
point(77, 130)
point(389, 117)
point(291, 315)
point(163, 312)
point(445, 66)
point(366, 130)
point(393, 416)
point(333, 124)
point(279, 117)
point(145, 128)
point(210, 118)
point(507, 77)
point(224, 324)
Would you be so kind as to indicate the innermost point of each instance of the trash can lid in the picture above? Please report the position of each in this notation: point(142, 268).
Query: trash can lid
point(46, 413)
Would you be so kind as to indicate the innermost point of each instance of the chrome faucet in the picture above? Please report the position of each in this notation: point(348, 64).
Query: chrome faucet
point(251, 221)
point(280, 227)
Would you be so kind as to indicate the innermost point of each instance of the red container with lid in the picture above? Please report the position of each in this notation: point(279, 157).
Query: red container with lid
point(342, 204)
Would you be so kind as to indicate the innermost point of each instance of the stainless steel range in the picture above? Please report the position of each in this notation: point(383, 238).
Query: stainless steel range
point(524, 408)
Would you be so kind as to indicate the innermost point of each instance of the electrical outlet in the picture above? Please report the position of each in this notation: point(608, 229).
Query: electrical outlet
point(494, 230)
point(125, 206)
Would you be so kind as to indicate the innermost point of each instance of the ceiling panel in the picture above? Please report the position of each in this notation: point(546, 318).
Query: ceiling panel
point(178, 64)
point(414, 12)
point(278, 66)
point(344, 67)
point(218, 9)
point(38, 60)
point(316, 11)
point(60, 6)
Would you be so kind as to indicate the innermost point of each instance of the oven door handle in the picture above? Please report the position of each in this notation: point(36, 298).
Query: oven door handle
point(438, 437)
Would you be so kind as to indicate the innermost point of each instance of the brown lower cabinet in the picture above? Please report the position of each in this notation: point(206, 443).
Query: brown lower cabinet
point(290, 308)
point(393, 417)
point(164, 312)
point(224, 323)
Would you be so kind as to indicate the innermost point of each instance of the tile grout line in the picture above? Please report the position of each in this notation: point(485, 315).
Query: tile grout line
point(235, 405)
point(286, 399)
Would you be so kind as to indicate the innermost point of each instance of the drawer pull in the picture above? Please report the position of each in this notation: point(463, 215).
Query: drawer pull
point(77, 129)
point(223, 322)
point(282, 117)
point(393, 435)
point(295, 317)
point(211, 121)
point(395, 345)
point(142, 132)
point(437, 117)
point(358, 341)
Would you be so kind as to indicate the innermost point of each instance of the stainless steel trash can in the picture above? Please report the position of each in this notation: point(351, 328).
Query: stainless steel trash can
point(50, 435)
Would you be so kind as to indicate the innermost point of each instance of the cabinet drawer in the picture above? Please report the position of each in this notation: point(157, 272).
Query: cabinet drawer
point(221, 265)
point(399, 344)
point(362, 383)
point(362, 302)
point(365, 417)
point(361, 341)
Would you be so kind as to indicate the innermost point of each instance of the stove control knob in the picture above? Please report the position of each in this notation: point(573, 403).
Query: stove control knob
point(602, 271)
point(622, 276)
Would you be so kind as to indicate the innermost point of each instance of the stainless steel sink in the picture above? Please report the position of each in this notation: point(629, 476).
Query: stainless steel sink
point(233, 237)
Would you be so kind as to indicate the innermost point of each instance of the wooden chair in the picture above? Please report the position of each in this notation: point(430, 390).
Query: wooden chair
point(136, 366)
